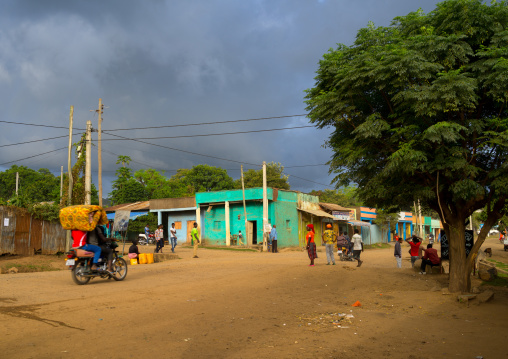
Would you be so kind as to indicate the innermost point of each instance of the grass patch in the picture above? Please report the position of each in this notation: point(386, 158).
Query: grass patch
point(28, 268)
point(499, 264)
point(500, 281)
point(376, 246)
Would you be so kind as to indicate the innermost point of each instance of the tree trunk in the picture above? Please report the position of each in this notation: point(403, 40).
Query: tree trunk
point(460, 269)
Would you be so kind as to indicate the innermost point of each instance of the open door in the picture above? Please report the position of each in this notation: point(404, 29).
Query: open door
point(252, 232)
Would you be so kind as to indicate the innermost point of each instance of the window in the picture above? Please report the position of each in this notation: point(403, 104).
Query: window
point(216, 225)
point(288, 224)
point(178, 225)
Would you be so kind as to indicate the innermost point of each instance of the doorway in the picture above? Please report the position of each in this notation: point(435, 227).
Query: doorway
point(252, 231)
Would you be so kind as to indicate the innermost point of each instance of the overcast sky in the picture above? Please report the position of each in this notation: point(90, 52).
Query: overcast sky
point(169, 62)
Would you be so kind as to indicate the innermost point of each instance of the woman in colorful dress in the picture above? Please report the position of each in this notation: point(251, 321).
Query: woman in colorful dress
point(311, 245)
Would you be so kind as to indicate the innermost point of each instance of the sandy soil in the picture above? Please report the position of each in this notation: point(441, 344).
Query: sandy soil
point(228, 304)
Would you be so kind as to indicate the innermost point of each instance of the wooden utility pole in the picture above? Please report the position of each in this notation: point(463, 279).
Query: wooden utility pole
point(265, 210)
point(69, 158)
point(61, 183)
point(245, 210)
point(420, 214)
point(17, 183)
point(99, 162)
point(69, 169)
point(88, 167)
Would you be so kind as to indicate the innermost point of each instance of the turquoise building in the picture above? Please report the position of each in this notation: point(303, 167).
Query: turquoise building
point(289, 211)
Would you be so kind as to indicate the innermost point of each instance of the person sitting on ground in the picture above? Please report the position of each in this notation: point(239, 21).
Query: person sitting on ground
point(430, 257)
point(415, 245)
point(134, 250)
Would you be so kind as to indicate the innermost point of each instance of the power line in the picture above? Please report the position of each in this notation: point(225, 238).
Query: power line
point(38, 125)
point(184, 151)
point(42, 139)
point(26, 158)
point(206, 135)
point(203, 123)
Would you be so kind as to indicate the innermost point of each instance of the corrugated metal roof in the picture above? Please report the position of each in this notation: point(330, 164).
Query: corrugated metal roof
point(173, 203)
point(136, 206)
point(317, 212)
point(333, 207)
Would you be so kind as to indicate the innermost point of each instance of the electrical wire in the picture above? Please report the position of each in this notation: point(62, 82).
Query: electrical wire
point(26, 158)
point(205, 135)
point(203, 123)
point(42, 139)
point(184, 151)
point(39, 125)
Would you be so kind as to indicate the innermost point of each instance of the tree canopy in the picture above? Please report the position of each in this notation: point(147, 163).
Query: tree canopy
point(275, 177)
point(418, 110)
point(345, 196)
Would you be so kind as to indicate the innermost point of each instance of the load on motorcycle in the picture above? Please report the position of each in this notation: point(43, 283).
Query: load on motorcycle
point(92, 254)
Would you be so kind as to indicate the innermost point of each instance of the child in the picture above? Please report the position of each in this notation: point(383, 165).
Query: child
point(133, 250)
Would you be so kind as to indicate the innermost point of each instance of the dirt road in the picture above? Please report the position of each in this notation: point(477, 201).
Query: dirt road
point(229, 304)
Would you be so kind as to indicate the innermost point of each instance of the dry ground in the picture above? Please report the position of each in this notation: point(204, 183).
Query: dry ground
point(229, 304)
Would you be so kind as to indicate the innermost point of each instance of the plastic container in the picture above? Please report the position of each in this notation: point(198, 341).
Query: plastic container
point(142, 258)
point(149, 258)
point(134, 261)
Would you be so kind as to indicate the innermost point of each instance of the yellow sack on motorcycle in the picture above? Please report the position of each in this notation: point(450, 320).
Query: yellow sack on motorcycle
point(78, 217)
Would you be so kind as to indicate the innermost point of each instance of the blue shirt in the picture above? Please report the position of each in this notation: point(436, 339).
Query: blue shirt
point(273, 234)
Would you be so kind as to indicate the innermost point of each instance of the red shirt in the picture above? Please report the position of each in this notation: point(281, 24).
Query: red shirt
point(79, 238)
point(414, 248)
point(431, 254)
point(310, 237)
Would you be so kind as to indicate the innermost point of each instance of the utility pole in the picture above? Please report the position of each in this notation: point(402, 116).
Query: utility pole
point(88, 167)
point(265, 210)
point(420, 213)
point(101, 106)
point(69, 169)
point(245, 210)
point(61, 183)
point(17, 183)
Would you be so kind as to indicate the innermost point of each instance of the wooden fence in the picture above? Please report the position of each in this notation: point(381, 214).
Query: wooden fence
point(22, 234)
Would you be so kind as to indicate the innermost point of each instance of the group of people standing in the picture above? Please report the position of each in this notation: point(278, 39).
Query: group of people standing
point(159, 239)
point(331, 241)
point(428, 256)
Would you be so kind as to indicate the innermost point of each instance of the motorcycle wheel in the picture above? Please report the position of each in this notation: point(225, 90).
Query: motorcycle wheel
point(120, 267)
point(78, 273)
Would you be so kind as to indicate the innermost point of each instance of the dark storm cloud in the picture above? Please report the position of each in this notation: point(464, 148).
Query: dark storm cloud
point(171, 62)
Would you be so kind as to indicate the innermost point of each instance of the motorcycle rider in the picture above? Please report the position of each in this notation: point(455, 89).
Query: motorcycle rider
point(97, 238)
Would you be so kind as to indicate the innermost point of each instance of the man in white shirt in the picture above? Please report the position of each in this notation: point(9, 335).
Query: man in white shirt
point(357, 243)
point(172, 236)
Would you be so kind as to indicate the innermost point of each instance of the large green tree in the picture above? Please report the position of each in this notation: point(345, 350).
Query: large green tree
point(126, 189)
point(345, 196)
point(418, 110)
point(275, 177)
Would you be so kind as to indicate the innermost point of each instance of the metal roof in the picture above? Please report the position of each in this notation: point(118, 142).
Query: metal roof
point(317, 212)
point(172, 203)
point(136, 206)
point(334, 207)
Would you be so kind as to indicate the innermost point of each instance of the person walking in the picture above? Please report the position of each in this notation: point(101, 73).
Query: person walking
point(329, 238)
point(398, 252)
point(311, 246)
point(273, 238)
point(159, 238)
point(357, 243)
point(195, 239)
point(172, 237)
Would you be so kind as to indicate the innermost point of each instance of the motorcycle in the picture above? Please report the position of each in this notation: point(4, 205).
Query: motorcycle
point(143, 241)
point(80, 261)
point(345, 255)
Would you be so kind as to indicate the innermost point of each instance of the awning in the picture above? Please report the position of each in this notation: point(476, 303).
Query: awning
point(317, 213)
point(133, 215)
point(359, 223)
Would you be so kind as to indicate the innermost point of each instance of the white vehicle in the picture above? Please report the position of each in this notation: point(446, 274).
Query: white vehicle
point(493, 231)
